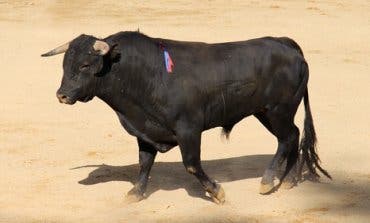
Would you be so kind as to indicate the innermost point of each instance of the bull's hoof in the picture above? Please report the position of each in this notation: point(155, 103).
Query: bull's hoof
point(288, 184)
point(133, 196)
point(267, 188)
point(219, 196)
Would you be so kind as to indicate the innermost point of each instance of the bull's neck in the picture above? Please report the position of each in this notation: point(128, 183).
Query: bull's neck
point(134, 82)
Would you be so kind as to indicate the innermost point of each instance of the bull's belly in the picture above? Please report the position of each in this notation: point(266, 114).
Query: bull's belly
point(222, 119)
point(224, 111)
point(158, 133)
point(149, 131)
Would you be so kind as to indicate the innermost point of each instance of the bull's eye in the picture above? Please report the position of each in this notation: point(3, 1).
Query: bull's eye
point(84, 67)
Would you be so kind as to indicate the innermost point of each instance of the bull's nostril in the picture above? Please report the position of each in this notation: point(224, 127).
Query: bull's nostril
point(62, 98)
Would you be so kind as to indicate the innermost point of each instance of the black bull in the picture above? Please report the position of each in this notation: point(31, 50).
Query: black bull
point(210, 85)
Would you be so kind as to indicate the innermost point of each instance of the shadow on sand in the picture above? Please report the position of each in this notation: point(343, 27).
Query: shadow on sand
point(172, 175)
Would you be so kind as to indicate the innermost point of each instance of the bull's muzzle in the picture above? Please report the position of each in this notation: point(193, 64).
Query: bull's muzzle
point(64, 99)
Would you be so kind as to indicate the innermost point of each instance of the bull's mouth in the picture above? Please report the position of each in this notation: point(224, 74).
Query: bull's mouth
point(67, 101)
point(87, 98)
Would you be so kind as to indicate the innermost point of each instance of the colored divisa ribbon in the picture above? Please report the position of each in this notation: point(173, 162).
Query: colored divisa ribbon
point(168, 62)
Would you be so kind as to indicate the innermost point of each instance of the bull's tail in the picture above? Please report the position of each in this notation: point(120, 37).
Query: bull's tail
point(308, 144)
point(226, 130)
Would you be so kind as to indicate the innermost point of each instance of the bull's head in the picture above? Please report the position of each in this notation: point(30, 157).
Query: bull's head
point(83, 61)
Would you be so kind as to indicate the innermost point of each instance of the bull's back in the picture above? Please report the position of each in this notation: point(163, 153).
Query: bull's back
point(240, 78)
point(230, 81)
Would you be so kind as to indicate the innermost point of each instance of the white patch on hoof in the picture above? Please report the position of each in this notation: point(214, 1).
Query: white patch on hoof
point(287, 185)
point(219, 198)
point(133, 198)
point(266, 188)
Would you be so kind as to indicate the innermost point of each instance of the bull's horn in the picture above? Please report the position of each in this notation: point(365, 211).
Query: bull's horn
point(101, 46)
point(60, 49)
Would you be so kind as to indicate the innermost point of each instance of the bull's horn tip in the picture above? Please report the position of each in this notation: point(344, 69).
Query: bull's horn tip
point(45, 54)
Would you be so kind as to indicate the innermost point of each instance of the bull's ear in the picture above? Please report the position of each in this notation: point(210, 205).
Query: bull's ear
point(114, 53)
point(101, 47)
point(113, 56)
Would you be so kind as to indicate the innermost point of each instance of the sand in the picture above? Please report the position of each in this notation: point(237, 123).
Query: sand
point(62, 163)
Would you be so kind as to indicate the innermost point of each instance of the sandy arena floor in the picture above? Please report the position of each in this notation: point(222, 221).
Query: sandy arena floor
point(42, 142)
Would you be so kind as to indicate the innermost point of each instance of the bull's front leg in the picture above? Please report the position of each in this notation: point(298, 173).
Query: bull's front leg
point(147, 155)
point(189, 141)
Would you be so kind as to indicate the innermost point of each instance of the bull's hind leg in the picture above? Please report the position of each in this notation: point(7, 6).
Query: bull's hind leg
point(189, 142)
point(280, 122)
point(147, 155)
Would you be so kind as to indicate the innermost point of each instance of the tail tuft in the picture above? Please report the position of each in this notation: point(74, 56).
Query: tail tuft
point(226, 130)
point(308, 144)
